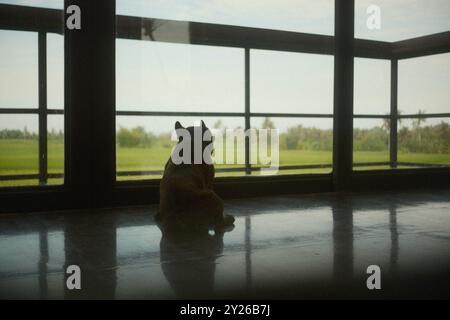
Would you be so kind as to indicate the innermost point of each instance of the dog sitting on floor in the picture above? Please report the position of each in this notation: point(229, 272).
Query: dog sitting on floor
point(187, 200)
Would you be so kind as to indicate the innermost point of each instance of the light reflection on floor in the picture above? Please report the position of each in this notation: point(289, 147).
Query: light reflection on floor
point(294, 247)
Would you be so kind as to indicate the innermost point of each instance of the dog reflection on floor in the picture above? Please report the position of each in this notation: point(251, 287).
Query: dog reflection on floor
point(188, 262)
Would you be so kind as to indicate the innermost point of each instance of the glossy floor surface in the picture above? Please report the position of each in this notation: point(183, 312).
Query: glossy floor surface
point(310, 246)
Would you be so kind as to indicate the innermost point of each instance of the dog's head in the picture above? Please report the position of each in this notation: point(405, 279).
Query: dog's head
point(197, 134)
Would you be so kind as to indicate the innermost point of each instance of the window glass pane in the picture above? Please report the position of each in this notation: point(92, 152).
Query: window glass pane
point(286, 82)
point(158, 70)
point(156, 76)
point(55, 147)
point(18, 69)
point(55, 71)
point(53, 4)
point(19, 88)
point(18, 148)
point(372, 92)
point(423, 84)
point(402, 19)
point(307, 142)
point(292, 15)
point(424, 141)
point(370, 143)
point(144, 143)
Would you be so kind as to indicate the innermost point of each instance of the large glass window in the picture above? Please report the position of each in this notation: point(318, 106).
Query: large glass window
point(371, 105)
point(32, 100)
point(424, 126)
point(401, 112)
point(172, 70)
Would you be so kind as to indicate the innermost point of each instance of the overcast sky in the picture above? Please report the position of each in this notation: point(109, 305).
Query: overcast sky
point(161, 76)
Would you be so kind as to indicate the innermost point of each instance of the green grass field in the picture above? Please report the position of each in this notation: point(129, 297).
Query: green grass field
point(21, 157)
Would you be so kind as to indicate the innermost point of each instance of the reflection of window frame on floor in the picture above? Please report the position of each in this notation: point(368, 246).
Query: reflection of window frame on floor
point(90, 115)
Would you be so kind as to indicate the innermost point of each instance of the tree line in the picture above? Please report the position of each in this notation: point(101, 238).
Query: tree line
point(29, 135)
point(419, 138)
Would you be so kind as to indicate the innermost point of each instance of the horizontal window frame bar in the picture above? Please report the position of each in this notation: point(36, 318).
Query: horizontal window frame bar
point(130, 27)
point(370, 164)
point(371, 116)
point(55, 111)
point(30, 111)
point(419, 164)
point(32, 19)
point(431, 44)
point(18, 111)
point(33, 176)
point(286, 167)
point(402, 116)
point(157, 172)
point(294, 167)
point(425, 115)
point(23, 18)
point(227, 114)
point(221, 170)
point(290, 115)
point(401, 163)
point(220, 114)
point(178, 114)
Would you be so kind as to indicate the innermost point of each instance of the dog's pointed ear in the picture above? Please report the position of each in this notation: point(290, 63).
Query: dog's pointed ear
point(178, 125)
point(203, 125)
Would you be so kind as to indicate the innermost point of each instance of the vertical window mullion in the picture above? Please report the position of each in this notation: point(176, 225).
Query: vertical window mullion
point(393, 138)
point(248, 168)
point(42, 74)
point(343, 94)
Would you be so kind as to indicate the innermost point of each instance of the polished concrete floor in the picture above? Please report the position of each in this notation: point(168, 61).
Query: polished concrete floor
point(310, 246)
